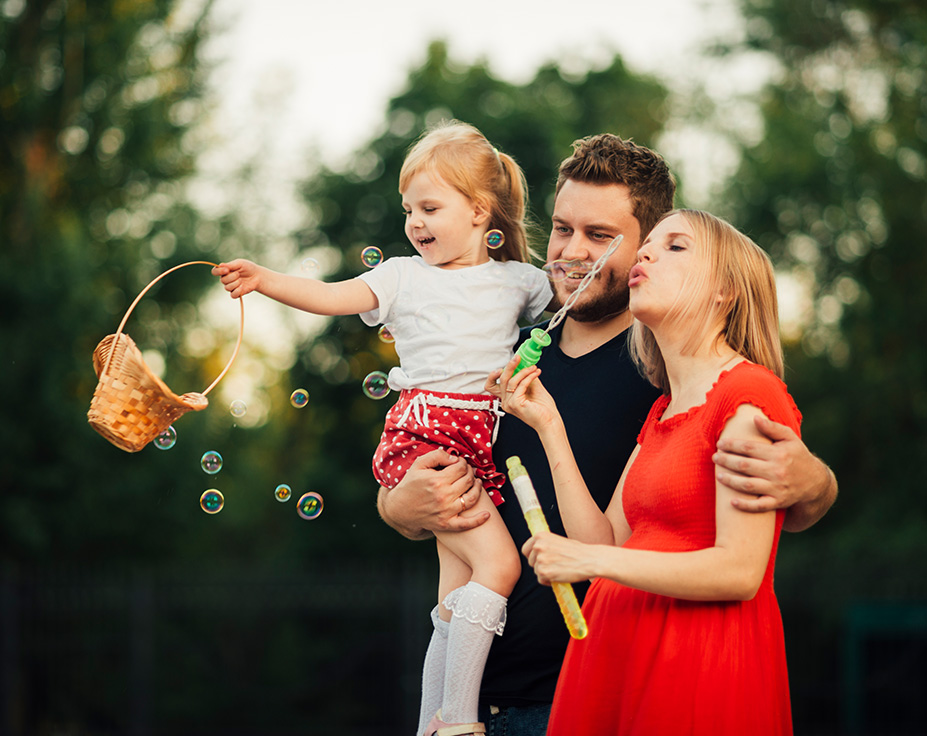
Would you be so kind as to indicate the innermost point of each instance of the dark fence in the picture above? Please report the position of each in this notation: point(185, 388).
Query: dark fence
point(335, 649)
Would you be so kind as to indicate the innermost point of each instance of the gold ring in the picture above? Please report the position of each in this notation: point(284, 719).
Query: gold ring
point(463, 504)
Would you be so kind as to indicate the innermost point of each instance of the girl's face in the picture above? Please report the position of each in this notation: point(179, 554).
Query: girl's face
point(444, 226)
point(665, 259)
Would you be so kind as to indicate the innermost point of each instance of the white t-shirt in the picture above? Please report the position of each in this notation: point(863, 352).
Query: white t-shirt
point(453, 326)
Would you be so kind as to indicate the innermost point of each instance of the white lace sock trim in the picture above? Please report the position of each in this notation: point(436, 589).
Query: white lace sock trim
point(478, 605)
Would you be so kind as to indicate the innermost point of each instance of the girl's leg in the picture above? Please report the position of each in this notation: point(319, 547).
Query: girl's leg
point(478, 608)
point(454, 573)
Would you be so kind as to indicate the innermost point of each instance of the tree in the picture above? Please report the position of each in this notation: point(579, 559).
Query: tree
point(835, 191)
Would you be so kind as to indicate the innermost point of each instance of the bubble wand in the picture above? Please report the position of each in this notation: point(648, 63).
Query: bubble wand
point(529, 352)
point(534, 515)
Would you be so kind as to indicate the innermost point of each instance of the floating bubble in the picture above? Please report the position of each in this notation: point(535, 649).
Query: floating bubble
point(283, 492)
point(376, 385)
point(385, 335)
point(211, 462)
point(299, 398)
point(309, 266)
point(166, 440)
point(212, 501)
point(494, 239)
point(238, 408)
point(372, 256)
point(309, 506)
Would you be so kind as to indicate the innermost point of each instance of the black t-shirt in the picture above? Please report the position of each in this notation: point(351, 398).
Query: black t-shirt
point(603, 401)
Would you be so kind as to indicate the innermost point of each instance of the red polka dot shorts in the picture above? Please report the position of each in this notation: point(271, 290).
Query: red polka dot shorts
point(422, 421)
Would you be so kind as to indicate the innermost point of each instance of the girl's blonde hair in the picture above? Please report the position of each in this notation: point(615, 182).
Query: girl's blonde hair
point(461, 155)
point(731, 297)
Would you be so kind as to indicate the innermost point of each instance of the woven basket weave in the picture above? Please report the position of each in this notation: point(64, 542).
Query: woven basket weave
point(131, 405)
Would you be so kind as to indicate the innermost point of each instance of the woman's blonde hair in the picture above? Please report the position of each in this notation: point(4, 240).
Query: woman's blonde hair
point(730, 298)
point(461, 155)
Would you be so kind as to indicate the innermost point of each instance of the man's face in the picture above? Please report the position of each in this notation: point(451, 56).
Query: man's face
point(587, 217)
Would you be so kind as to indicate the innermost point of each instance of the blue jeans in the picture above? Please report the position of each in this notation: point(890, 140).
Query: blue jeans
point(529, 720)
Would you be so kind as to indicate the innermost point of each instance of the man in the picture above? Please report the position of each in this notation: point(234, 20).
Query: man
point(608, 187)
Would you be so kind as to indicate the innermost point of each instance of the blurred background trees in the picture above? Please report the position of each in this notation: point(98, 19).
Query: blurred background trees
point(125, 609)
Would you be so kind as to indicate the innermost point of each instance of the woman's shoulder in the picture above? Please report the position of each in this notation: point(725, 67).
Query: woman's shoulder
point(750, 383)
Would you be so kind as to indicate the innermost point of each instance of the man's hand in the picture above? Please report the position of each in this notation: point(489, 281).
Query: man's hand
point(780, 475)
point(432, 496)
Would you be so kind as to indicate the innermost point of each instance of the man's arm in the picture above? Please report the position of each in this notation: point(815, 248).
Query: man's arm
point(782, 475)
point(432, 496)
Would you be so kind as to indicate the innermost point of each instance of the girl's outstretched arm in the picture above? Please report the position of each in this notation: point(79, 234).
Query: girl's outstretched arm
point(241, 277)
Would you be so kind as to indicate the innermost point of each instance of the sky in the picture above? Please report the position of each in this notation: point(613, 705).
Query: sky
point(306, 74)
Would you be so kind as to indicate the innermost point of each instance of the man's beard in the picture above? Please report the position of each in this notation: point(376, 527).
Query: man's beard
point(611, 300)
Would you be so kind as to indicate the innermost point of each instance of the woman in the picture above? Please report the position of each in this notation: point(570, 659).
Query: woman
point(685, 634)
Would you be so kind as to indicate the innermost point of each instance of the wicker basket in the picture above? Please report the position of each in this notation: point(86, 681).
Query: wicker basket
point(131, 405)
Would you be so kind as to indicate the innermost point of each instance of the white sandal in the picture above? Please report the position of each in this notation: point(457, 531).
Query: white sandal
point(437, 727)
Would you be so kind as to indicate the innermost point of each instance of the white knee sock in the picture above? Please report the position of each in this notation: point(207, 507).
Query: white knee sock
point(478, 615)
point(433, 671)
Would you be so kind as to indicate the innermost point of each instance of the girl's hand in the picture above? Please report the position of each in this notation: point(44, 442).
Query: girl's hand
point(239, 277)
point(556, 559)
point(523, 395)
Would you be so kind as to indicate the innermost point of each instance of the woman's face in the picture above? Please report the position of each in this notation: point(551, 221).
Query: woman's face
point(664, 261)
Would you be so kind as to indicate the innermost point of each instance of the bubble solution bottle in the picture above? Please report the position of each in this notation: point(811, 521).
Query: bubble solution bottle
point(534, 515)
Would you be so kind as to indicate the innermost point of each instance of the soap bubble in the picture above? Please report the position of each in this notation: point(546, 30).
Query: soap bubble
point(309, 266)
point(283, 492)
point(494, 239)
point(299, 398)
point(238, 408)
point(212, 501)
point(309, 506)
point(211, 462)
point(385, 335)
point(372, 256)
point(376, 385)
point(166, 440)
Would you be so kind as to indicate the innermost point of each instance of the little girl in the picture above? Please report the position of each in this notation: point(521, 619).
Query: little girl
point(453, 310)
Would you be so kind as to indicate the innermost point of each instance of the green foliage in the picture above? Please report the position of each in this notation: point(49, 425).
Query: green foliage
point(95, 103)
point(835, 190)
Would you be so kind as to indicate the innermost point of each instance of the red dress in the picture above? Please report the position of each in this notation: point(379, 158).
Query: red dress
point(652, 664)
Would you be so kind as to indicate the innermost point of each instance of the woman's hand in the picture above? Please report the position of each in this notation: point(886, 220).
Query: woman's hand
point(556, 559)
point(523, 395)
point(239, 277)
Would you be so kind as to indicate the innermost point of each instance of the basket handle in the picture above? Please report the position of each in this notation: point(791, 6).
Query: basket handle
point(241, 327)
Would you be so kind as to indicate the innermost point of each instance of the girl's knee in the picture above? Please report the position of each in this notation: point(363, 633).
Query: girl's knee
point(501, 573)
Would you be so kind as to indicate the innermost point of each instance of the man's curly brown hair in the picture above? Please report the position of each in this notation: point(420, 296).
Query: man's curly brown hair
point(609, 159)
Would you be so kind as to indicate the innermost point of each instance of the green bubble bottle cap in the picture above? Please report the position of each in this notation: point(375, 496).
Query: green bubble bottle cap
point(529, 351)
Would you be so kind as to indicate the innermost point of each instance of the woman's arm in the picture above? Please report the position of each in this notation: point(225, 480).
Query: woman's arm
point(732, 569)
point(353, 296)
point(525, 397)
